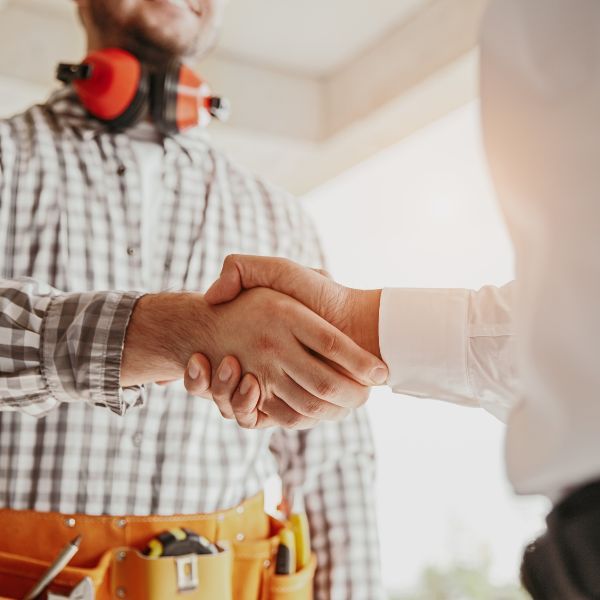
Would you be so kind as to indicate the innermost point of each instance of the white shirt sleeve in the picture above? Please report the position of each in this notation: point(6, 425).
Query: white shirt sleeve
point(454, 345)
point(540, 99)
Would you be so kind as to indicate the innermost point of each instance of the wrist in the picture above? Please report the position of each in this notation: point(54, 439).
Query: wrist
point(164, 331)
point(364, 319)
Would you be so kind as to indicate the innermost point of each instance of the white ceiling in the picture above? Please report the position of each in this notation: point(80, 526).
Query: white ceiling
point(309, 37)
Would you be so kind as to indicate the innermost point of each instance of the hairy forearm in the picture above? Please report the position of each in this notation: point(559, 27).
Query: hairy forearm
point(164, 331)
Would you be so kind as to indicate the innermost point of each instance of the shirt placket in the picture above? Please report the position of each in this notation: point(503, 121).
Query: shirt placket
point(132, 205)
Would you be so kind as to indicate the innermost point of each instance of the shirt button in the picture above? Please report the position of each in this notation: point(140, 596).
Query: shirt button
point(121, 169)
point(137, 440)
point(130, 251)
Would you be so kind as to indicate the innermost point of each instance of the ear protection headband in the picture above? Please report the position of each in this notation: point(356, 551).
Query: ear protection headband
point(119, 90)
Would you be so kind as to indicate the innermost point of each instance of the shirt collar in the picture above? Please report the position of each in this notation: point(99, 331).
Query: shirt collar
point(65, 104)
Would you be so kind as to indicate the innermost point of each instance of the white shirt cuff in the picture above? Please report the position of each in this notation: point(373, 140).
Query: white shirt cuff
point(423, 339)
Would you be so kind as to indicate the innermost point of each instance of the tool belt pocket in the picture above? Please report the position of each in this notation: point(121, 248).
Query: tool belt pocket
point(298, 586)
point(191, 576)
point(254, 575)
point(18, 574)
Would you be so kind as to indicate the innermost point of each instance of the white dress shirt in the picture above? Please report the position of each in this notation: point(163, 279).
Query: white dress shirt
point(533, 345)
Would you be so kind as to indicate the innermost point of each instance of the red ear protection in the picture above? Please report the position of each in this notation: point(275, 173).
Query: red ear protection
point(117, 89)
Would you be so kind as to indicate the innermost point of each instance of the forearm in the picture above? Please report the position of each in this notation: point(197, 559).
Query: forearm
point(57, 347)
point(164, 331)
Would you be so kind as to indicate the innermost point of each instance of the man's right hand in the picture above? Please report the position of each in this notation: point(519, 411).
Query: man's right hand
point(286, 346)
point(354, 312)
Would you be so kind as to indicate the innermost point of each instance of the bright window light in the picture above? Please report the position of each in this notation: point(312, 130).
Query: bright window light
point(423, 214)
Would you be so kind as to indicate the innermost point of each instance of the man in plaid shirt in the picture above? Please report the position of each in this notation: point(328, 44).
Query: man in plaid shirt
point(84, 208)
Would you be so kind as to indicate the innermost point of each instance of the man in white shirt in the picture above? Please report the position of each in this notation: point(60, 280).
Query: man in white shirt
point(532, 348)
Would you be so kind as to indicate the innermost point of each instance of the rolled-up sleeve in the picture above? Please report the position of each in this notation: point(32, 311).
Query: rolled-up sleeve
point(451, 344)
point(57, 348)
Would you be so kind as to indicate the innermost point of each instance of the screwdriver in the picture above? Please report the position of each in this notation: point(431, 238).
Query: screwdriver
point(285, 561)
point(61, 561)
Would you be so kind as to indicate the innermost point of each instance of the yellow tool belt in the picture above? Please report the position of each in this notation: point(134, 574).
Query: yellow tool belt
point(110, 555)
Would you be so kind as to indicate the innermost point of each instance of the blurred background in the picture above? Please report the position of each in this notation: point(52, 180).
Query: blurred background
point(368, 111)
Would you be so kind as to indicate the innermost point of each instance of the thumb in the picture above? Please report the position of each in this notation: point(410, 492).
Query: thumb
point(243, 272)
point(228, 286)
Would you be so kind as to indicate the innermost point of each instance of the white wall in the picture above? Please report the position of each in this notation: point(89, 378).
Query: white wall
point(16, 94)
point(423, 214)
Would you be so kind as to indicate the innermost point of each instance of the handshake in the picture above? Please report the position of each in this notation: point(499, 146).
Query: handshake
point(291, 347)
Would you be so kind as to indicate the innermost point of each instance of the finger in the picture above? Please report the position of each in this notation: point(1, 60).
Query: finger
point(244, 403)
point(253, 412)
point(197, 375)
point(324, 339)
point(325, 382)
point(224, 383)
point(242, 272)
point(277, 411)
point(306, 404)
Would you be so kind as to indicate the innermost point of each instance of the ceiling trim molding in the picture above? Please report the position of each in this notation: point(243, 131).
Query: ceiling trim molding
point(434, 38)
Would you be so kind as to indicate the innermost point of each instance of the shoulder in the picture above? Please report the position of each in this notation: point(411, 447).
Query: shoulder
point(23, 131)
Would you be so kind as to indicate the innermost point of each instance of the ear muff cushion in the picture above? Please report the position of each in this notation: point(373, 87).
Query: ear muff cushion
point(176, 98)
point(164, 97)
point(117, 90)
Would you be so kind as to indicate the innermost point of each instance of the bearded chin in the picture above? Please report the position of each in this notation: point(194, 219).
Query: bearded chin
point(154, 46)
point(146, 42)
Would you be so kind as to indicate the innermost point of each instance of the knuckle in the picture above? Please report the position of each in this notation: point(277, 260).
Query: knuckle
point(194, 388)
point(246, 423)
point(230, 260)
point(241, 407)
point(316, 408)
point(331, 343)
point(326, 388)
point(294, 421)
point(222, 392)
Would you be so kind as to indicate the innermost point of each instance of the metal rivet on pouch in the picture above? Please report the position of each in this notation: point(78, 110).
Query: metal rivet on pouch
point(240, 537)
point(70, 522)
point(121, 523)
point(239, 510)
point(120, 591)
point(121, 555)
point(267, 564)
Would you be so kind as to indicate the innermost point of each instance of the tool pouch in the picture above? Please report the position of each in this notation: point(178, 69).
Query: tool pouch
point(254, 575)
point(18, 574)
point(194, 577)
point(242, 571)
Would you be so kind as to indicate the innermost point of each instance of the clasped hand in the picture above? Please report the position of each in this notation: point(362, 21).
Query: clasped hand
point(302, 351)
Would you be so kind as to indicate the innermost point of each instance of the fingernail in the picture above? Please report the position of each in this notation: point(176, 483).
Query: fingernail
point(193, 369)
point(379, 375)
point(225, 372)
point(245, 386)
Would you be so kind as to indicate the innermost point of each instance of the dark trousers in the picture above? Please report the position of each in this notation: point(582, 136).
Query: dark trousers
point(564, 563)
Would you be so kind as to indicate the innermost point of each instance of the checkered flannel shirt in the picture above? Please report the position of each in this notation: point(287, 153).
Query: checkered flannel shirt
point(70, 226)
